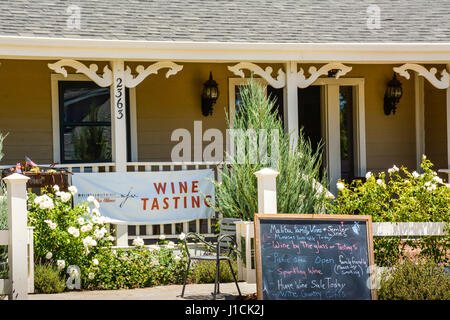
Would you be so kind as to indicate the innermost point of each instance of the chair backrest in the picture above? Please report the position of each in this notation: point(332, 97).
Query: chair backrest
point(227, 227)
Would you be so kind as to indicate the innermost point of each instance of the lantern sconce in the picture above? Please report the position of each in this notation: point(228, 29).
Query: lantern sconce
point(209, 95)
point(392, 95)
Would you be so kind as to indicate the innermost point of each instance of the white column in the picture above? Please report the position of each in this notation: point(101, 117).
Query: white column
point(420, 118)
point(118, 116)
point(18, 235)
point(119, 133)
point(267, 190)
point(291, 101)
point(333, 140)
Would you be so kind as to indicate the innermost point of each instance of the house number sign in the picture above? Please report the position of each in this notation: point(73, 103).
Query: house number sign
point(119, 98)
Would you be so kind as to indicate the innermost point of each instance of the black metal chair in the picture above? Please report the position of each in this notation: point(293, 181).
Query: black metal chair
point(225, 241)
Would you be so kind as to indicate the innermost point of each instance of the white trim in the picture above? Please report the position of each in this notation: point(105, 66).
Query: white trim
point(55, 115)
point(419, 113)
point(266, 74)
point(329, 105)
point(442, 83)
point(41, 47)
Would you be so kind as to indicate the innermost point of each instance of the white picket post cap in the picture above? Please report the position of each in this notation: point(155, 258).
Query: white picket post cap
point(266, 172)
point(16, 178)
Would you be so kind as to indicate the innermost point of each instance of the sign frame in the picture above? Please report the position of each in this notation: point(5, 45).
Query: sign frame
point(321, 217)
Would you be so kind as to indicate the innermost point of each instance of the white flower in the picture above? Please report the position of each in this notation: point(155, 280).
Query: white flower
point(49, 255)
point(153, 247)
point(98, 220)
point(95, 262)
point(171, 245)
point(415, 174)
point(96, 204)
point(65, 196)
point(182, 236)
point(368, 175)
point(110, 238)
point(438, 180)
point(340, 186)
point(91, 275)
point(56, 187)
point(74, 231)
point(431, 187)
point(393, 169)
point(81, 221)
point(427, 184)
point(89, 242)
point(424, 157)
point(406, 181)
point(162, 237)
point(86, 227)
point(95, 212)
point(138, 242)
point(73, 190)
point(51, 224)
point(61, 264)
point(177, 258)
point(90, 199)
point(99, 233)
point(380, 182)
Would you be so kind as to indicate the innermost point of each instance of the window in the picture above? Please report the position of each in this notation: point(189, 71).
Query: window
point(84, 127)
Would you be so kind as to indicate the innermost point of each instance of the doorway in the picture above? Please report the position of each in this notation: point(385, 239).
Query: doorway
point(331, 111)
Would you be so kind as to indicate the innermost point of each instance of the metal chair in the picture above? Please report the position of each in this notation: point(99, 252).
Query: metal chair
point(225, 241)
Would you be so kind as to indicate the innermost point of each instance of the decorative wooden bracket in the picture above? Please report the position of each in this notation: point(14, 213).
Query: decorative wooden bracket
point(303, 82)
point(442, 83)
point(142, 73)
point(103, 81)
point(266, 74)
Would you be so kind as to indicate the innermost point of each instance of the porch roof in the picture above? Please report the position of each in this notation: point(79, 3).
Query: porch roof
point(226, 21)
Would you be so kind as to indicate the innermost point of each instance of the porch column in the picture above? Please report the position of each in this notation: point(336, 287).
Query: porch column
point(420, 118)
point(333, 140)
point(291, 101)
point(118, 116)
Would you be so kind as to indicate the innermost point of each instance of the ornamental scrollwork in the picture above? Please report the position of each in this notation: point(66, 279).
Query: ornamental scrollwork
point(303, 82)
point(104, 80)
point(430, 75)
point(266, 74)
point(132, 81)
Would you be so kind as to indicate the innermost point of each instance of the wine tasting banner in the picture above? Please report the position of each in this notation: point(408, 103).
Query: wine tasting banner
point(148, 197)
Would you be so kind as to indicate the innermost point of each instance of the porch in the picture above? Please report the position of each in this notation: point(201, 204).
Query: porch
point(341, 104)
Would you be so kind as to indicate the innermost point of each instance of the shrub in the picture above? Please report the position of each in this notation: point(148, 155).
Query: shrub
point(204, 271)
point(424, 280)
point(63, 235)
point(138, 267)
point(300, 181)
point(400, 197)
point(47, 279)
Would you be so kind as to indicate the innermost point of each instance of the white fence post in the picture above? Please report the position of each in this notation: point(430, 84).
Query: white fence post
point(267, 190)
point(18, 235)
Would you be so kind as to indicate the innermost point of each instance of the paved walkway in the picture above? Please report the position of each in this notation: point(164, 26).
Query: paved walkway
point(172, 292)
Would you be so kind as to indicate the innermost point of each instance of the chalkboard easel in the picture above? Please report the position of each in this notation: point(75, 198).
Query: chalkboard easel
point(313, 256)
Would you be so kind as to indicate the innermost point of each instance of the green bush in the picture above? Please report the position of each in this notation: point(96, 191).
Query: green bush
point(47, 279)
point(400, 197)
point(204, 271)
point(301, 180)
point(137, 267)
point(424, 280)
point(63, 235)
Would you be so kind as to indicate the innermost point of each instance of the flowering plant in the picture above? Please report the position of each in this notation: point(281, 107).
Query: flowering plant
point(138, 266)
point(64, 235)
point(399, 196)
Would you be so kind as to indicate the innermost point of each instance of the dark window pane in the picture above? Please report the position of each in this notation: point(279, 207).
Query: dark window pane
point(168, 229)
point(87, 143)
point(131, 230)
point(346, 131)
point(156, 229)
point(142, 230)
point(85, 103)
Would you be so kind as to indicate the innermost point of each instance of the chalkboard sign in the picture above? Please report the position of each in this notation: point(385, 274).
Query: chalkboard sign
point(314, 256)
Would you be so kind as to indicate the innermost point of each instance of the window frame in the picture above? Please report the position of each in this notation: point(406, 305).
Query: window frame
point(56, 120)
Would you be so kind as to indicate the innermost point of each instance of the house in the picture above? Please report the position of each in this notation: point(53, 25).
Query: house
point(135, 71)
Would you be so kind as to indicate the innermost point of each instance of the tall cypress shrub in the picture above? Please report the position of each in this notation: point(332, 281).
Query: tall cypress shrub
point(301, 187)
